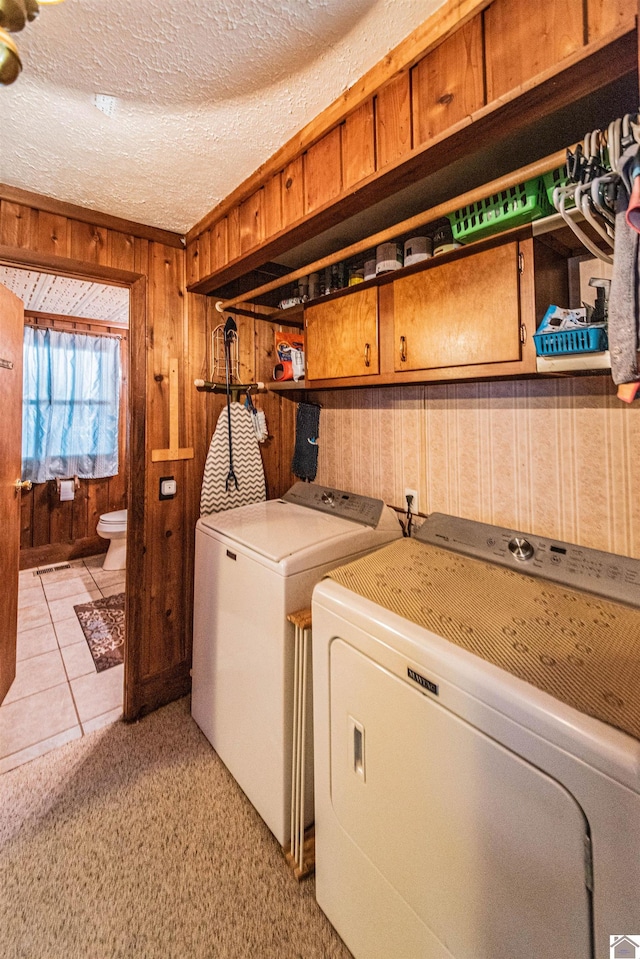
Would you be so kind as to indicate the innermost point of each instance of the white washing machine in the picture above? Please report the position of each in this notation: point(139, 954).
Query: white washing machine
point(253, 566)
point(462, 812)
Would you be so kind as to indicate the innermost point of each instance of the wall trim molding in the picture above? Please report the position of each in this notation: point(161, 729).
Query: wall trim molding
point(14, 194)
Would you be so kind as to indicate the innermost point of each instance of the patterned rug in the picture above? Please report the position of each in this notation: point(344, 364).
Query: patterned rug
point(102, 623)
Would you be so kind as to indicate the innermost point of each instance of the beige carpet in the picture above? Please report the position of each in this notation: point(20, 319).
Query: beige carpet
point(136, 843)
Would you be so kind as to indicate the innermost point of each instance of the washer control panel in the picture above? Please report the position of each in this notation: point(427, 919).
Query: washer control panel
point(606, 574)
point(360, 509)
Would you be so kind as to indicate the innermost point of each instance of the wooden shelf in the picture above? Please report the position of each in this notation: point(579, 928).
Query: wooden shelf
point(284, 386)
point(574, 362)
point(294, 316)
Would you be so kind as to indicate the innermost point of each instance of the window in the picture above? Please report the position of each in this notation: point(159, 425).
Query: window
point(71, 399)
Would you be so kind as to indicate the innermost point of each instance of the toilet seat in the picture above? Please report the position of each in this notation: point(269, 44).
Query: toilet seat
point(116, 518)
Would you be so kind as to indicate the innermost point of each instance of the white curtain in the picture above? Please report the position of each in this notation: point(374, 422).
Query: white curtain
point(70, 406)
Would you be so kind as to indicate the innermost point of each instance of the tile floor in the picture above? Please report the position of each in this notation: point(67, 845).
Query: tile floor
point(57, 694)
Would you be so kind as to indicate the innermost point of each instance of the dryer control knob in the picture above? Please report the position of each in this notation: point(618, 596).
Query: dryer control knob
point(327, 497)
point(521, 548)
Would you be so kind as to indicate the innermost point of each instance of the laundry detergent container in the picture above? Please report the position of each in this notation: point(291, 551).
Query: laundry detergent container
point(113, 526)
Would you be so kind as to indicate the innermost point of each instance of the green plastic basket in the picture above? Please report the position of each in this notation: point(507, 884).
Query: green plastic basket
point(554, 178)
point(501, 211)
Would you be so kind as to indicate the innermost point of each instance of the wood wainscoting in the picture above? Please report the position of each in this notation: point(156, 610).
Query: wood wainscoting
point(52, 531)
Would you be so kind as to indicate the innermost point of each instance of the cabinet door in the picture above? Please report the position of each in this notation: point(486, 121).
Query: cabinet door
point(342, 336)
point(461, 313)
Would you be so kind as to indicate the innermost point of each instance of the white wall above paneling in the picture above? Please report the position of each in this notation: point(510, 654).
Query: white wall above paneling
point(64, 296)
point(204, 92)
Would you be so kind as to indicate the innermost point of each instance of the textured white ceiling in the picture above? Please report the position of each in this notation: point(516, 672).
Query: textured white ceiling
point(64, 296)
point(206, 91)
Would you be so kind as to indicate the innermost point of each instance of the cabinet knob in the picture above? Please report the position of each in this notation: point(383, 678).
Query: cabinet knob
point(22, 485)
point(403, 349)
point(367, 354)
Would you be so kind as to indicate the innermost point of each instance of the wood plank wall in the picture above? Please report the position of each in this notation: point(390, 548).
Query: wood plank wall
point(256, 341)
point(38, 233)
point(497, 50)
point(53, 531)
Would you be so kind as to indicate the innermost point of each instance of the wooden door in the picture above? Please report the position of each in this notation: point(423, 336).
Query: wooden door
point(461, 313)
point(11, 335)
point(342, 336)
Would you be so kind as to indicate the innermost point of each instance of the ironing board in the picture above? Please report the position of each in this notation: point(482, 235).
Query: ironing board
point(247, 464)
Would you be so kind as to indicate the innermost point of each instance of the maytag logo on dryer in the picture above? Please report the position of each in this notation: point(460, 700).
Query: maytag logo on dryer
point(422, 681)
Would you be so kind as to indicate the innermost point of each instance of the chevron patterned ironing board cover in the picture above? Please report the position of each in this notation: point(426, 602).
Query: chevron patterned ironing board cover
point(247, 464)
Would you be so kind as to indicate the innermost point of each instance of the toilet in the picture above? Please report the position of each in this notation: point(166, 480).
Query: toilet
point(113, 526)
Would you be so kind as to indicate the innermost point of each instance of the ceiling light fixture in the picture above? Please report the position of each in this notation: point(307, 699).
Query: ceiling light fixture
point(14, 14)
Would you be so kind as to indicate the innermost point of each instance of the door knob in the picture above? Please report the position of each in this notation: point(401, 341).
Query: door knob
point(23, 484)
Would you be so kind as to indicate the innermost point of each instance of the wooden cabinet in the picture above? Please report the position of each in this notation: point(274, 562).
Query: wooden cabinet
point(465, 312)
point(470, 314)
point(342, 336)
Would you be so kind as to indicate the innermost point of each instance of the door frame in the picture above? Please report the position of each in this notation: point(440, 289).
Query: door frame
point(136, 431)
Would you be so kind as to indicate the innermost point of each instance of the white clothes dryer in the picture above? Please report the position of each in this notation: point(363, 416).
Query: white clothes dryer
point(477, 715)
point(254, 565)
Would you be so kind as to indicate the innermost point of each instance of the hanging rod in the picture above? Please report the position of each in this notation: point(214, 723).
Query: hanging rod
point(413, 223)
point(205, 386)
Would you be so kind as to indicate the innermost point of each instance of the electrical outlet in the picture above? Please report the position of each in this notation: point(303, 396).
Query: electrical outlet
point(414, 501)
point(168, 487)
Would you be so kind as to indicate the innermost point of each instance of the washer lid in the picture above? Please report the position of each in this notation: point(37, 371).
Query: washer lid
point(277, 530)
